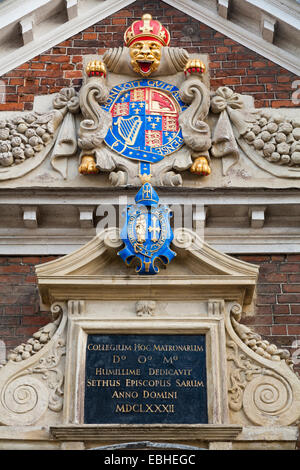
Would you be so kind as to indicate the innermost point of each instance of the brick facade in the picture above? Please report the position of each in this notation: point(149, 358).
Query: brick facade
point(20, 314)
point(277, 312)
point(230, 63)
point(278, 301)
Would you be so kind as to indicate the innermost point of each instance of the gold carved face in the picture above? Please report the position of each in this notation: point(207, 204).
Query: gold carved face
point(145, 57)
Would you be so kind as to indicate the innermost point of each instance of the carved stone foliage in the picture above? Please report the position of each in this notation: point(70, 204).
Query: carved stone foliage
point(32, 380)
point(271, 140)
point(260, 380)
point(34, 344)
point(145, 308)
point(26, 139)
point(256, 343)
point(276, 138)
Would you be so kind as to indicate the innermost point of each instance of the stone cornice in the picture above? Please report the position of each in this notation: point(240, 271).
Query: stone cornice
point(119, 433)
point(67, 28)
point(232, 220)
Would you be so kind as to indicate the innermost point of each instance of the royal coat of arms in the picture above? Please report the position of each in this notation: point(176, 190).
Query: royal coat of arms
point(146, 116)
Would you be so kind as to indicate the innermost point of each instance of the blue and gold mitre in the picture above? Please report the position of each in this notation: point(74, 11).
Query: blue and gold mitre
point(147, 233)
point(147, 195)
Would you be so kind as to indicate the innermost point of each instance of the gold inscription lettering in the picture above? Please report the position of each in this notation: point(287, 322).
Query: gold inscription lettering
point(132, 394)
point(159, 395)
point(189, 383)
point(140, 408)
point(169, 371)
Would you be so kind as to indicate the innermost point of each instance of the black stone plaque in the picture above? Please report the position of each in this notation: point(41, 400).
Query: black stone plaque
point(144, 379)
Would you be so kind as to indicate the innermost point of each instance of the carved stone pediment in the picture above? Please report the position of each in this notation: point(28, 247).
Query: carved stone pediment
point(196, 268)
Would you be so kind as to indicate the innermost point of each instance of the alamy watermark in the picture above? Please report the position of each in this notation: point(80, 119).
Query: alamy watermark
point(186, 216)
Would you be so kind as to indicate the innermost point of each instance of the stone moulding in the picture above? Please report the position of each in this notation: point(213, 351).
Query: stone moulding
point(119, 433)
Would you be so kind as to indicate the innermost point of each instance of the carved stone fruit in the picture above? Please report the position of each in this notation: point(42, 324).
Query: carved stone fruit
point(258, 144)
point(295, 157)
point(296, 133)
point(266, 136)
point(4, 134)
point(6, 159)
point(283, 148)
point(269, 149)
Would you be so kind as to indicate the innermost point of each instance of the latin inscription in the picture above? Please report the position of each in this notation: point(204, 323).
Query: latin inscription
point(145, 379)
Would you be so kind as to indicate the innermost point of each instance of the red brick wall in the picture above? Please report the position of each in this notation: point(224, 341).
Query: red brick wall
point(20, 314)
point(277, 315)
point(230, 63)
point(277, 312)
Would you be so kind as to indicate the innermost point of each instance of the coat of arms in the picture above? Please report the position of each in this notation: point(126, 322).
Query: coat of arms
point(146, 116)
point(147, 233)
point(145, 121)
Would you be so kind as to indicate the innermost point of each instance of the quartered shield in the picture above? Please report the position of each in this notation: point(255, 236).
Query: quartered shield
point(145, 120)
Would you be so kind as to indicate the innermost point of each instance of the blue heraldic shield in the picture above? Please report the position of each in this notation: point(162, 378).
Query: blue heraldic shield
point(145, 120)
point(147, 233)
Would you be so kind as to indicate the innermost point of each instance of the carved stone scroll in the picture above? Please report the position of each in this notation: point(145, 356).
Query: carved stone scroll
point(31, 382)
point(195, 131)
point(260, 380)
point(94, 127)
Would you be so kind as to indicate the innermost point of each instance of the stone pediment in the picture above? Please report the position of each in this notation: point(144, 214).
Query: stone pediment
point(96, 271)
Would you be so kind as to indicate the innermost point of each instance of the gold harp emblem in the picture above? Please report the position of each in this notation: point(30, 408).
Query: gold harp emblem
point(129, 128)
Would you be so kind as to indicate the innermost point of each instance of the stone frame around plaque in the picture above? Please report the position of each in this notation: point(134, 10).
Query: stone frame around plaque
point(213, 328)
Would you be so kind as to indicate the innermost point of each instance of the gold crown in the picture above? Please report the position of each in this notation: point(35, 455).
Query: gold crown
point(145, 178)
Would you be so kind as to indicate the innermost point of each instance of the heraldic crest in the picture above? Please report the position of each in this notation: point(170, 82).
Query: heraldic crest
point(147, 233)
point(144, 106)
point(144, 122)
